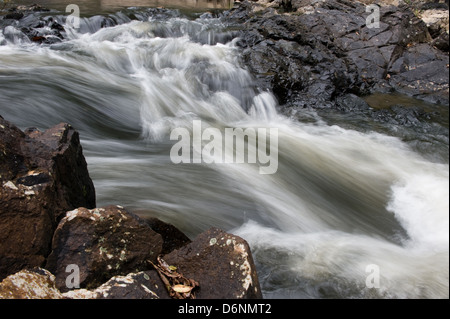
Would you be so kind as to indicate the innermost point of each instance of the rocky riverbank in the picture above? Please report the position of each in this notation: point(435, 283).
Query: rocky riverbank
point(314, 54)
point(56, 244)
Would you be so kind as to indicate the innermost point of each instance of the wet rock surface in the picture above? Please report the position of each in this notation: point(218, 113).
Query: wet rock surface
point(311, 52)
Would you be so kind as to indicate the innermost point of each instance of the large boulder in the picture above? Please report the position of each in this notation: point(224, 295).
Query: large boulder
point(221, 263)
point(101, 243)
point(42, 176)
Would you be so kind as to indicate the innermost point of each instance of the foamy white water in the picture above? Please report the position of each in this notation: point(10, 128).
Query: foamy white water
point(340, 201)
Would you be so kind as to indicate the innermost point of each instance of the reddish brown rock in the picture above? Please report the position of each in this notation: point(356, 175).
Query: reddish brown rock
point(42, 175)
point(102, 243)
point(221, 263)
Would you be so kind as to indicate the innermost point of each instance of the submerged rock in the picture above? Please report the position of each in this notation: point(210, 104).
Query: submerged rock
point(42, 175)
point(101, 243)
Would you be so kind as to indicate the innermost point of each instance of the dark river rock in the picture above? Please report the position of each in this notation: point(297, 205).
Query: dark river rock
point(310, 58)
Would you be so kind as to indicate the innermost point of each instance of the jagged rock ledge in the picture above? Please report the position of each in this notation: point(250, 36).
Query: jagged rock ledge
point(314, 53)
point(55, 243)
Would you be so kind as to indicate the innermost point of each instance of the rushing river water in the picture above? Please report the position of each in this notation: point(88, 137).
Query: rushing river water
point(344, 206)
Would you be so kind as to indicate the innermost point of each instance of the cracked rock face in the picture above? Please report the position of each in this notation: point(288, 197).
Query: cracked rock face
point(221, 263)
point(101, 243)
point(42, 175)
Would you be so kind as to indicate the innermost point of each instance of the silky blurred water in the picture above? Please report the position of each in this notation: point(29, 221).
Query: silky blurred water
point(341, 200)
